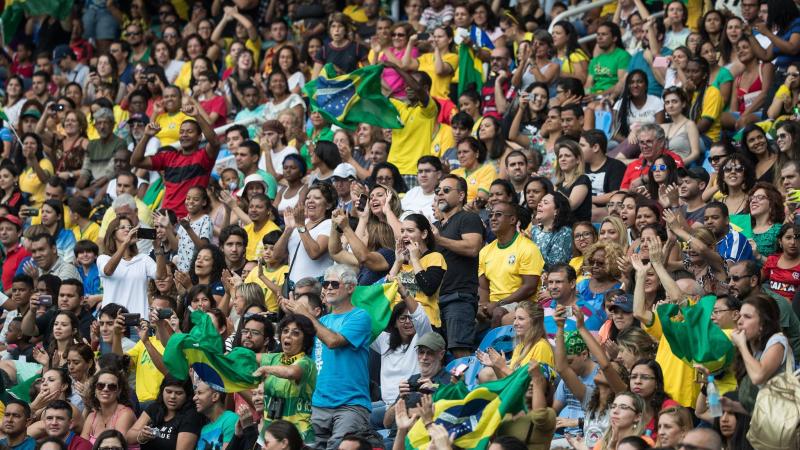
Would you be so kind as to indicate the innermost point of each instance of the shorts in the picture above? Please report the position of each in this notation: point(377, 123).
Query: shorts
point(99, 24)
point(458, 313)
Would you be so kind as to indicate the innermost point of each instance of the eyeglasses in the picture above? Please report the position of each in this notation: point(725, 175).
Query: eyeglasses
point(105, 386)
point(109, 448)
point(133, 33)
point(716, 158)
point(254, 333)
point(290, 332)
point(384, 180)
point(583, 236)
point(717, 312)
point(170, 35)
point(498, 58)
point(498, 214)
point(446, 190)
point(398, 35)
point(735, 169)
point(643, 377)
point(404, 318)
point(330, 284)
point(758, 198)
point(659, 167)
point(735, 278)
point(623, 407)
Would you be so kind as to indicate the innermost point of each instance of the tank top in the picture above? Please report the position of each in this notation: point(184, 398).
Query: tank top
point(288, 202)
point(112, 423)
point(744, 96)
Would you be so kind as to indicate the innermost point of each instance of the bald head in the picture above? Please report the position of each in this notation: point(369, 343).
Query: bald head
point(704, 438)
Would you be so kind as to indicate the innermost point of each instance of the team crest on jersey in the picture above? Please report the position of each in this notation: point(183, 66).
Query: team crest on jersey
point(796, 275)
point(512, 259)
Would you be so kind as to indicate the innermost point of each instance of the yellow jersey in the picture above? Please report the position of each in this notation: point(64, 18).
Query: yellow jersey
point(504, 266)
point(479, 179)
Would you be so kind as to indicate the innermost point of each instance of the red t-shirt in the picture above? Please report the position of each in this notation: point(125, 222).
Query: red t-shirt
point(641, 167)
point(651, 426)
point(782, 281)
point(13, 258)
point(217, 105)
point(181, 173)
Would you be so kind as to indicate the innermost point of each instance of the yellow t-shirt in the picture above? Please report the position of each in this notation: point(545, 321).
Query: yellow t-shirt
point(148, 377)
point(413, 141)
point(254, 238)
point(253, 46)
point(440, 86)
point(504, 266)
point(430, 303)
point(568, 67)
point(67, 218)
point(277, 276)
point(479, 179)
point(142, 210)
point(31, 184)
point(91, 233)
point(170, 127)
point(541, 352)
point(678, 376)
point(355, 13)
point(184, 77)
point(120, 116)
point(712, 110)
point(443, 140)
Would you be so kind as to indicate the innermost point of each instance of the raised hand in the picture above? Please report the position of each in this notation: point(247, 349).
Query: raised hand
point(190, 110)
point(151, 129)
point(288, 217)
point(636, 262)
point(402, 417)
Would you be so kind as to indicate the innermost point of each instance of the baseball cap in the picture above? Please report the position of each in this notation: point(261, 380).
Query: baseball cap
point(623, 302)
point(698, 173)
point(432, 340)
point(62, 51)
point(344, 170)
point(32, 112)
point(13, 219)
point(254, 178)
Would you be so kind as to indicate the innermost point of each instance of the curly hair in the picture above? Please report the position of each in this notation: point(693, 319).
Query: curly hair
point(218, 263)
point(613, 251)
point(777, 214)
point(123, 390)
point(749, 172)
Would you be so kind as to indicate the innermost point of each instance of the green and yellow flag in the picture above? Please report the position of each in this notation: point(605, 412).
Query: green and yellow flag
point(202, 349)
point(353, 98)
point(15, 11)
point(470, 69)
point(377, 301)
point(693, 337)
point(473, 416)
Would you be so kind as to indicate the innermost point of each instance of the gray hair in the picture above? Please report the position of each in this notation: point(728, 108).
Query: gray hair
point(313, 283)
point(344, 273)
point(103, 113)
point(655, 129)
point(124, 200)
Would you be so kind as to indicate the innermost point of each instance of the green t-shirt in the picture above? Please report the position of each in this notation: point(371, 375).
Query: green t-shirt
point(218, 432)
point(296, 397)
point(604, 67)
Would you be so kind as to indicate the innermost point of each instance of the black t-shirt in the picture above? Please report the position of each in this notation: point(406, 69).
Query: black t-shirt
point(584, 210)
point(186, 421)
point(345, 58)
point(462, 271)
point(607, 178)
point(693, 216)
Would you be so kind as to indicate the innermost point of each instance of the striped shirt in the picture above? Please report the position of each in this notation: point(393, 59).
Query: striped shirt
point(734, 247)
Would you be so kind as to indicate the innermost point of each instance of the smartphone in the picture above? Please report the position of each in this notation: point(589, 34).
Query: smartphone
point(146, 233)
point(57, 107)
point(423, 36)
point(165, 313)
point(132, 319)
point(31, 212)
point(362, 202)
point(660, 61)
point(459, 370)
point(46, 300)
point(568, 312)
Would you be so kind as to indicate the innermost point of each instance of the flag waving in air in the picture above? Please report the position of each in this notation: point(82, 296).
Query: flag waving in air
point(353, 98)
point(472, 417)
point(16, 10)
point(376, 300)
point(203, 351)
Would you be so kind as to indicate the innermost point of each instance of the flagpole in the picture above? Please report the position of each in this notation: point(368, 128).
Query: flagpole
point(13, 130)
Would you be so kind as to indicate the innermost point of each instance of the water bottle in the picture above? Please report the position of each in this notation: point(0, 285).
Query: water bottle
point(714, 406)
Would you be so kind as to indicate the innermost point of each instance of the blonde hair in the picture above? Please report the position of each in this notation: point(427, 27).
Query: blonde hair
point(571, 176)
point(537, 331)
point(621, 229)
point(613, 251)
point(638, 342)
point(682, 416)
point(638, 428)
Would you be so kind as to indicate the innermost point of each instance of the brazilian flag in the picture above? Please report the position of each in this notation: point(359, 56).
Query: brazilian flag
point(470, 69)
point(15, 11)
point(353, 98)
point(473, 416)
point(693, 337)
point(202, 349)
point(376, 300)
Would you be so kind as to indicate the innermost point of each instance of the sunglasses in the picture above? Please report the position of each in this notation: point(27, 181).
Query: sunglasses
point(659, 167)
point(103, 386)
point(498, 214)
point(446, 190)
point(330, 284)
point(735, 169)
point(717, 158)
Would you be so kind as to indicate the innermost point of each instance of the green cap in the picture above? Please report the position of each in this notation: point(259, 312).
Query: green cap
point(574, 343)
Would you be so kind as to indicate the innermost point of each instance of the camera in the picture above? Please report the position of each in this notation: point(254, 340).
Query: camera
point(275, 408)
point(164, 313)
point(57, 107)
point(414, 386)
point(132, 319)
point(146, 233)
point(46, 300)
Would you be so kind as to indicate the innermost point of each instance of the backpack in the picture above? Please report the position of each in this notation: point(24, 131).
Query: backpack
point(775, 423)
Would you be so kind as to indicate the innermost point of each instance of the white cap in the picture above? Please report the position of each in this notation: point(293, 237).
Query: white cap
point(344, 171)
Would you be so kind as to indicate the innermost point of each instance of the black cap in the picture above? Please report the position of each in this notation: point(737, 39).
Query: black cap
point(698, 173)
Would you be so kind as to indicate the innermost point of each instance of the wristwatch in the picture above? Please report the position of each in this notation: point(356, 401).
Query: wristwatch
point(301, 229)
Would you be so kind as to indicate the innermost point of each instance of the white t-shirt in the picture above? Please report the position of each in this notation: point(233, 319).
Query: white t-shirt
point(305, 266)
point(127, 286)
point(271, 110)
point(297, 79)
point(775, 339)
point(401, 363)
point(645, 114)
point(277, 159)
point(416, 201)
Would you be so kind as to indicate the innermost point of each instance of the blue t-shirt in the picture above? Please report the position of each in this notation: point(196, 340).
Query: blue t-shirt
point(639, 62)
point(593, 303)
point(573, 408)
point(343, 372)
point(91, 280)
point(783, 60)
point(28, 444)
point(245, 113)
point(213, 435)
point(593, 310)
point(734, 247)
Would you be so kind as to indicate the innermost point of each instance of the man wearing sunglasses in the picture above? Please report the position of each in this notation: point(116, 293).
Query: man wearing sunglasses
point(508, 269)
point(341, 403)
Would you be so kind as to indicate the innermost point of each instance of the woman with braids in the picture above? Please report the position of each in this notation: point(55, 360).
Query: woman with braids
point(707, 103)
point(634, 107)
